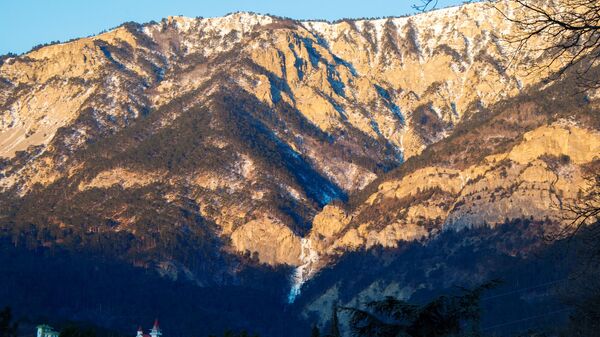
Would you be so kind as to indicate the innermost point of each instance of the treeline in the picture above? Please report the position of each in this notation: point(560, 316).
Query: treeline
point(57, 286)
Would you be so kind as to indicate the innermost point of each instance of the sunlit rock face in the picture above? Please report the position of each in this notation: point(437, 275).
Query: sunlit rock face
point(547, 167)
point(236, 135)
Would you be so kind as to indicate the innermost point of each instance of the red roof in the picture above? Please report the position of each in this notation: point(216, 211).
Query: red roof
point(156, 324)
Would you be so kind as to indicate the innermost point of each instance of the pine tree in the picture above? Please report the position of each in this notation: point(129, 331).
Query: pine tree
point(7, 327)
point(335, 328)
point(446, 315)
point(315, 332)
point(77, 331)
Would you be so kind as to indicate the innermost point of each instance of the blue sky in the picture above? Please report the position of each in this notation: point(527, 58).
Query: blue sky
point(25, 23)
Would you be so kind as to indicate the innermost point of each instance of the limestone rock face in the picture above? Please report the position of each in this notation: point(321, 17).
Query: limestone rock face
point(532, 179)
point(580, 145)
point(330, 221)
point(122, 177)
point(274, 242)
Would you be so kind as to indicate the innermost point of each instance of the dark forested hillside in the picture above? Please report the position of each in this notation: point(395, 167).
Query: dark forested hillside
point(56, 286)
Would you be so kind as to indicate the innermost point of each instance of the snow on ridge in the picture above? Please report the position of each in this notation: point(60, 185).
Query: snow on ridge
point(182, 23)
point(240, 21)
point(322, 28)
point(245, 22)
point(429, 27)
point(437, 22)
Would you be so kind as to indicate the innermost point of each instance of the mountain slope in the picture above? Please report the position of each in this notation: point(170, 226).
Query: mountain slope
point(331, 105)
point(533, 156)
point(199, 148)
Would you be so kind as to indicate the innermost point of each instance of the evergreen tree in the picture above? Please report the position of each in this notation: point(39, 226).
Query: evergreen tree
point(7, 327)
point(335, 328)
point(315, 332)
point(444, 316)
point(231, 333)
point(76, 331)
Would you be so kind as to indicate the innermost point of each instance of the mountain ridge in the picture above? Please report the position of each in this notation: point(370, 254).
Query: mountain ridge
point(196, 147)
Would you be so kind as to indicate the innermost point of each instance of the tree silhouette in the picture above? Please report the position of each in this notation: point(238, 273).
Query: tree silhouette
point(585, 320)
point(314, 332)
point(243, 333)
point(569, 30)
point(582, 231)
point(76, 331)
point(444, 316)
point(425, 5)
point(335, 322)
point(7, 327)
point(582, 221)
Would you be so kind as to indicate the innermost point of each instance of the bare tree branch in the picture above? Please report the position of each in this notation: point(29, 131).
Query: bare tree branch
point(564, 33)
point(425, 5)
point(586, 210)
point(582, 222)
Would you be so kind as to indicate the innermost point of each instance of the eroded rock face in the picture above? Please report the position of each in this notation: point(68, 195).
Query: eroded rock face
point(246, 128)
point(51, 87)
point(532, 180)
point(126, 178)
point(330, 221)
point(403, 82)
point(274, 242)
point(529, 182)
point(581, 145)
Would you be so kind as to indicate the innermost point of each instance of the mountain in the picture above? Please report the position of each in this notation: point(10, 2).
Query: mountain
point(252, 154)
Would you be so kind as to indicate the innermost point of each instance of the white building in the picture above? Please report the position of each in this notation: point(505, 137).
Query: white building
point(155, 332)
point(46, 331)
